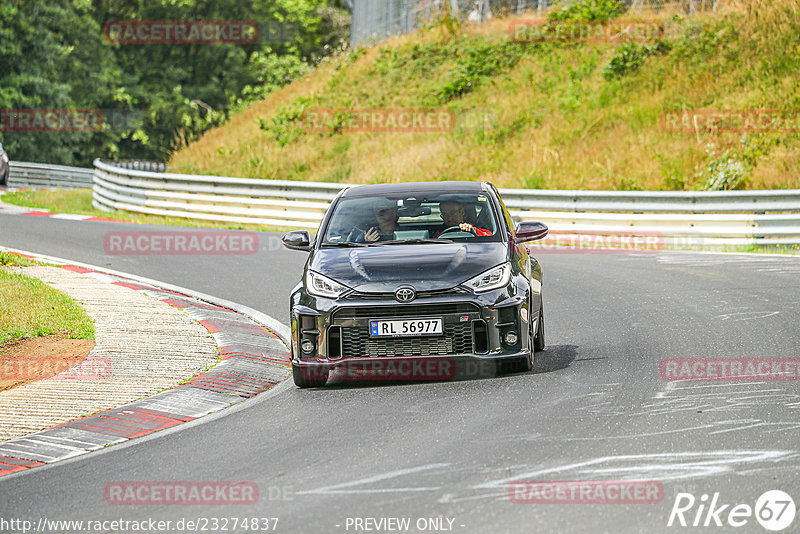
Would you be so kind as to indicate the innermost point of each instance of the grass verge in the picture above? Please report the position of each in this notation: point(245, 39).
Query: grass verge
point(30, 308)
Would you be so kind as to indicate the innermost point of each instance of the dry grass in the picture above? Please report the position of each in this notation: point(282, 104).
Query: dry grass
point(554, 120)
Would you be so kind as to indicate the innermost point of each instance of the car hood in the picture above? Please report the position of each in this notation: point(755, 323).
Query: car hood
point(426, 267)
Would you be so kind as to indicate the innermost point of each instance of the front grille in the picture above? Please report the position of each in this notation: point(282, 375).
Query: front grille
point(404, 310)
point(355, 295)
point(357, 343)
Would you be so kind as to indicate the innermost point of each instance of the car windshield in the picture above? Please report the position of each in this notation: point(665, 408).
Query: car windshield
point(411, 218)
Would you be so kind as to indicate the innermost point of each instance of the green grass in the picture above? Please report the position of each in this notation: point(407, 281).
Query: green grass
point(79, 201)
point(30, 308)
point(545, 115)
point(10, 259)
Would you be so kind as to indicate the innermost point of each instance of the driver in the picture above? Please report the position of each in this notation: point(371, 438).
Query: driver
point(453, 214)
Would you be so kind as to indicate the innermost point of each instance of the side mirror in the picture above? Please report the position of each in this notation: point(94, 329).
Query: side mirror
point(530, 231)
point(297, 240)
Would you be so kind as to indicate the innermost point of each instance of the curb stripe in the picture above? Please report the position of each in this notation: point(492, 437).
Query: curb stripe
point(10, 465)
point(241, 374)
point(75, 269)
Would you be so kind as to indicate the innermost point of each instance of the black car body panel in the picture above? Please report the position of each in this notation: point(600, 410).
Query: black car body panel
point(428, 267)
point(4, 166)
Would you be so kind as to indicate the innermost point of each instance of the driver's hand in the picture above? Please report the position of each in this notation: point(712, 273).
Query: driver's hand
point(372, 235)
point(467, 227)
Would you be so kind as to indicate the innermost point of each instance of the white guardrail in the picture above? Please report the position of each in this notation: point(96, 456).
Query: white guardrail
point(680, 218)
point(47, 176)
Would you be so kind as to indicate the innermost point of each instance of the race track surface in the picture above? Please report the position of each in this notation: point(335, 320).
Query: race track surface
point(598, 409)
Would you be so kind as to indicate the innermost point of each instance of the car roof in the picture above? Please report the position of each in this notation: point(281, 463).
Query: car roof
point(416, 187)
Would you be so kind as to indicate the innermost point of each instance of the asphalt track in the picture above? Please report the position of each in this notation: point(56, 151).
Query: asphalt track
point(597, 409)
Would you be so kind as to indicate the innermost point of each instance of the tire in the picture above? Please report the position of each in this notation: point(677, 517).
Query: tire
point(303, 380)
point(539, 341)
point(526, 363)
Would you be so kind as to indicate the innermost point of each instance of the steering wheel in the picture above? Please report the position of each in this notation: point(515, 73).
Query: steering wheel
point(458, 229)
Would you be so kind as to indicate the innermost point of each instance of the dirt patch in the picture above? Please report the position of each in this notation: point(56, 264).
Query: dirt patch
point(27, 360)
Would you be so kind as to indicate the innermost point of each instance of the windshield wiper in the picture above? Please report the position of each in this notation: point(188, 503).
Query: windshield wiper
point(410, 241)
point(343, 244)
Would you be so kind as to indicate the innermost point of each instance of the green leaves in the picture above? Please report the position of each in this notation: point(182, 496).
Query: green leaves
point(477, 62)
point(53, 55)
point(285, 126)
point(630, 57)
point(587, 10)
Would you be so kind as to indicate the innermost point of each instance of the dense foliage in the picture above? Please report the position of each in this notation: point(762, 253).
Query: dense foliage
point(154, 98)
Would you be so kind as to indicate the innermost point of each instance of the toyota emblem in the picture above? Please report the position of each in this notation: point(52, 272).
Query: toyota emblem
point(405, 294)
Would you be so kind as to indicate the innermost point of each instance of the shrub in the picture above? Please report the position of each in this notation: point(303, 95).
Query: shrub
point(285, 126)
point(630, 57)
point(480, 61)
point(587, 10)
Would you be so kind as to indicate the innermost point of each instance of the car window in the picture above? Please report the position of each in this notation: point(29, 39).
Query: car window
point(506, 215)
point(407, 217)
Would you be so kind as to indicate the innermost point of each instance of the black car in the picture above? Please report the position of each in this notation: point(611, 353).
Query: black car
point(411, 280)
point(3, 166)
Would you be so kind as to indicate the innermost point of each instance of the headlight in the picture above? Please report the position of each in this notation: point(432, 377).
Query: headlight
point(494, 278)
point(322, 286)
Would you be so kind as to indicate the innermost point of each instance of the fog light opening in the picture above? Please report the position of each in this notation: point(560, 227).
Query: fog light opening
point(511, 338)
point(307, 346)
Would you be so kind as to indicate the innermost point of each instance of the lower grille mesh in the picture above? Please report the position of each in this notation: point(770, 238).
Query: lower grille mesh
point(356, 342)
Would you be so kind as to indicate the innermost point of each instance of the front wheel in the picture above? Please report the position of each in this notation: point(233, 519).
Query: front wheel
point(538, 340)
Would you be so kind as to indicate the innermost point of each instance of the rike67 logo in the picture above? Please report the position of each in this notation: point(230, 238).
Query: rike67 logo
point(774, 510)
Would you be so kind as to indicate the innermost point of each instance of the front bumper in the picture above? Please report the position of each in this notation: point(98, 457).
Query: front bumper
point(475, 330)
point(425, 368)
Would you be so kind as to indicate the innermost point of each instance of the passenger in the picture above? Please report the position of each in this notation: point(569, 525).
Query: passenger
point(453, 214)
point(386, 215)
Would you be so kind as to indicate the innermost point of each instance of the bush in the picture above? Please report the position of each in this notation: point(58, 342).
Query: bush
point(587, 10)
point(285, 126)
point(481, 61)
point(731, 169)
point(630, 57)
point(725, 173)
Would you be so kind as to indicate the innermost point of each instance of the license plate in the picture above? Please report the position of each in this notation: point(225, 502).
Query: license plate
point(406, 327)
